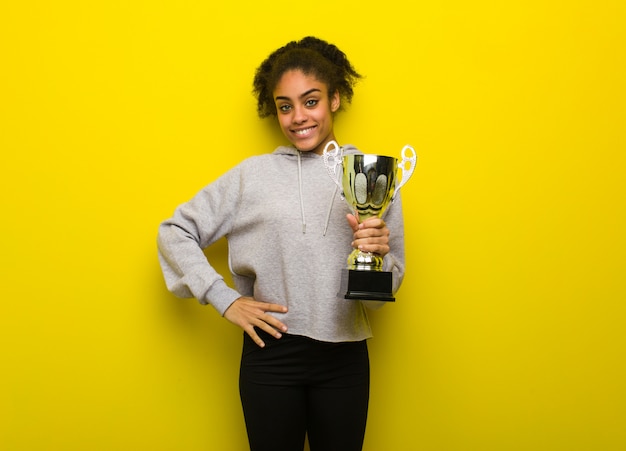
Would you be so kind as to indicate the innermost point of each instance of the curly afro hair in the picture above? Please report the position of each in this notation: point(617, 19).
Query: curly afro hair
point(312, 56)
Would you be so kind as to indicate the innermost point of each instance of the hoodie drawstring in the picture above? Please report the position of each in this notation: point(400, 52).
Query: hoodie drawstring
point(330, 209)
point(330, 204)
point(300, 189)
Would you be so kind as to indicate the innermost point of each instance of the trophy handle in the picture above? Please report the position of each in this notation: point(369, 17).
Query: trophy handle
point(332, 160)
point(411, 159)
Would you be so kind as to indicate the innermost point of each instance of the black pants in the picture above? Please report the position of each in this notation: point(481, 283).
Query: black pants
point(297, 386)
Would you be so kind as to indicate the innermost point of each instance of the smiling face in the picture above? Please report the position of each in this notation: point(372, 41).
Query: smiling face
point(305, 111)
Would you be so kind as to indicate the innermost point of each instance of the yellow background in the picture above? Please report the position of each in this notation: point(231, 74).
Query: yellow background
point(508, 333)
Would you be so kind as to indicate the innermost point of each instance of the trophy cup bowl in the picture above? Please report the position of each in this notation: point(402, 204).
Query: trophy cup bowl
point(369, 185)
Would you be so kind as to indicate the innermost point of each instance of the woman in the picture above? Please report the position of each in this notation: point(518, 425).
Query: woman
point(305, 366)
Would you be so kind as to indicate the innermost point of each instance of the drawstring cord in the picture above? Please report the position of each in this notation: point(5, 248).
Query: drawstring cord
point(300, 189)
point(330, 209)
point(330, 204)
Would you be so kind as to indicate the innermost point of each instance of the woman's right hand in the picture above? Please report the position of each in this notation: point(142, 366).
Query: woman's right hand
point(247, 313)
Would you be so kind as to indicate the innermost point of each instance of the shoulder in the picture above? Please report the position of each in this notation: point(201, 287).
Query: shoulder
point(281, 151)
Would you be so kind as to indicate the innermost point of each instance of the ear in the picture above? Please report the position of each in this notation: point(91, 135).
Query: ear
point(335, 102)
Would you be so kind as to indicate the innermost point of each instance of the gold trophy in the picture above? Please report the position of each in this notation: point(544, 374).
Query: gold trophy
point(369, 184)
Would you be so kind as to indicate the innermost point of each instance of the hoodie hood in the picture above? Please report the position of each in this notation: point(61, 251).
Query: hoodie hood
point(348, 149)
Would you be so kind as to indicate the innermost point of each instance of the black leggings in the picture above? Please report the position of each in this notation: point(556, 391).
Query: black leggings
point(297, 386)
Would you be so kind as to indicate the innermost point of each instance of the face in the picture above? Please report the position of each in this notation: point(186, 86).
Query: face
point(305, 111)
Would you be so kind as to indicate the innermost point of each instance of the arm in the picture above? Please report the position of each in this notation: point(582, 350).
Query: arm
point(194, 226)
point(181, 240)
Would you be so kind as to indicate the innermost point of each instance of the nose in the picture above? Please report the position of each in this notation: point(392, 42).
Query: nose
point(299, 115)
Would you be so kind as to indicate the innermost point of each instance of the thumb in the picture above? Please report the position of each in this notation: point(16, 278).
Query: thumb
point(353, 222)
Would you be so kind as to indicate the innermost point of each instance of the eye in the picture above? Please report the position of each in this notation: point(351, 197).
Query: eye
point(311, 102)
point(284, 108)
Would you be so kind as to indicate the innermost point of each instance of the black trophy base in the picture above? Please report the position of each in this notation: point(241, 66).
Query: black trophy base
point(367, 285)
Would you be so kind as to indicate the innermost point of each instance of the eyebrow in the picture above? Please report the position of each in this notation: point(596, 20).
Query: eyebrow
point(301, 96)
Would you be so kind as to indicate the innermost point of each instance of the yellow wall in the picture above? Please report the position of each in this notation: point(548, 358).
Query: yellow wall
point(508, 333)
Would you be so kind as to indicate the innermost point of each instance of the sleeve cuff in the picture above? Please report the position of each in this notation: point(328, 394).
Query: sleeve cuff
point(221, 296)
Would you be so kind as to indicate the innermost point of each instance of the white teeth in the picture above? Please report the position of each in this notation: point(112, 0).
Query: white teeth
point(303, 132)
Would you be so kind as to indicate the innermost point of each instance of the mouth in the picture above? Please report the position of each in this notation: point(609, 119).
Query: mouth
point(303, 131)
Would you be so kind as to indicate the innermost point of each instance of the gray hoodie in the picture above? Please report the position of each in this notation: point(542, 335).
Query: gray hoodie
point(288, 242)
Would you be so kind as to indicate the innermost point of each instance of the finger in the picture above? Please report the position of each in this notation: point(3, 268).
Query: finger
point(374, 247)
point(271, 320)
point(267, 324)
point(267, 328)
point(370, 241)
point(353, 222)
point(379, 249)
point(375, 223)
point(372, 234)
point(275, 325)
point(255, 337)
point(378, 245)
point(267, 307)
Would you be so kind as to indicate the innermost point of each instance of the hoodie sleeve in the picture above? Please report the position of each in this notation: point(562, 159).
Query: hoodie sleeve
point(193, 227)
point(394, 261)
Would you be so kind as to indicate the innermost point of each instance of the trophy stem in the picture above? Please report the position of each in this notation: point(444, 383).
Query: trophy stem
point(365, 261)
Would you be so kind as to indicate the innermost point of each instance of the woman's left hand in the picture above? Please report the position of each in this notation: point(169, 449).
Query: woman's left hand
point(370, 236)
